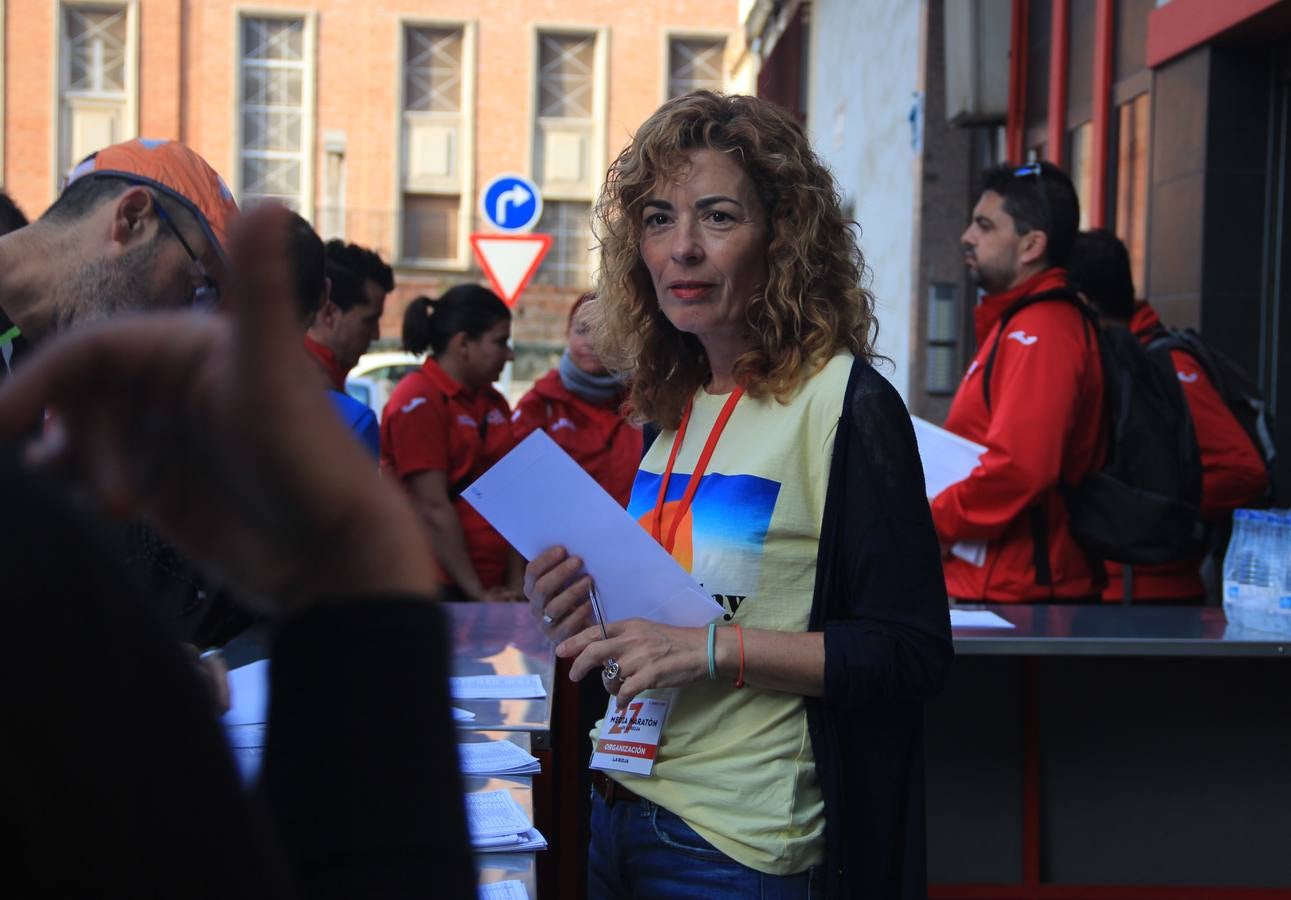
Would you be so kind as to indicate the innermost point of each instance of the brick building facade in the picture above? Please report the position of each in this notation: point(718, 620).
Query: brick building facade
point(379, 120)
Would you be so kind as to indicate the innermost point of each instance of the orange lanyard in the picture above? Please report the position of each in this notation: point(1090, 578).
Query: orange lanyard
point(710, 445)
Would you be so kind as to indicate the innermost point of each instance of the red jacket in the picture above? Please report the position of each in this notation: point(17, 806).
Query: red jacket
point(597, 436)
point(1232, 470)
point(1043, 428)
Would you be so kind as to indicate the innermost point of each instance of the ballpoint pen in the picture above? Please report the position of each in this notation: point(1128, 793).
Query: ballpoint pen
point(611, 669)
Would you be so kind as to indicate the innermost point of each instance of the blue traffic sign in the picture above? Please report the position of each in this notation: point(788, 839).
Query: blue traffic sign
point(511, 203)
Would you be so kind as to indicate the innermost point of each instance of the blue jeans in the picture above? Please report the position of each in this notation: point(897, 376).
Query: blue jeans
point(640, 850)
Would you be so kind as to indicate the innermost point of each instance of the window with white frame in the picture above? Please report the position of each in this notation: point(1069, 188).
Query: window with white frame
point(567, 112)
point(566, 153)
point(95, 62)
point(433, 139)
point(274, 165)
point(695, 64)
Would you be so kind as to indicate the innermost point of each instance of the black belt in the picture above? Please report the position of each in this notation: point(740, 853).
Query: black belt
point(610, 790)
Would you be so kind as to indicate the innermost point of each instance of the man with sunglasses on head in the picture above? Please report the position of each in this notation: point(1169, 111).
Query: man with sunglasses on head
point(1032, 396)
point(139, 226)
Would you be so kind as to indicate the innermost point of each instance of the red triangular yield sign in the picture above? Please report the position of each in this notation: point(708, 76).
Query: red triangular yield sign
point(509, 260)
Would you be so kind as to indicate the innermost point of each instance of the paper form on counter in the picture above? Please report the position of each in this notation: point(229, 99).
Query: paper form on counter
point(947, 459)
point(496, 687)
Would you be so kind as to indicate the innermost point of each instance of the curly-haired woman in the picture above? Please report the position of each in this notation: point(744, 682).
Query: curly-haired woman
point(787, 480)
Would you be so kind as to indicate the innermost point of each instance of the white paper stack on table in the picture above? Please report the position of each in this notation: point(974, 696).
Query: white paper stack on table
point(496, 758)
point(504, 890)
point(947, 459)
point(496, 687)
point(498, 824)
point(977, 618)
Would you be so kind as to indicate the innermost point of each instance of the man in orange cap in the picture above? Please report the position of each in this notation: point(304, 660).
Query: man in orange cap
point(139, 226)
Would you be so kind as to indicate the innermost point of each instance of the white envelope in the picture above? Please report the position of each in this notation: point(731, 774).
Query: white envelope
point(538, 497)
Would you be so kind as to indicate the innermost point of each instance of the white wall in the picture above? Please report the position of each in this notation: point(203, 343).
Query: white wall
point(863, 73)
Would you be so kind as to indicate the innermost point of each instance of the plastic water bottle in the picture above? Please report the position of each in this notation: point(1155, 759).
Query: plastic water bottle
point(1264, 570)
point(1256, 571)
point(1237, 607)
point(1280, 611)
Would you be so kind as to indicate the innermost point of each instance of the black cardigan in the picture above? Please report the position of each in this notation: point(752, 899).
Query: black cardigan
point(880, 599)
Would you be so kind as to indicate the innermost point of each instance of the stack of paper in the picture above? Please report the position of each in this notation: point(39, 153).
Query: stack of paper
point(498, 824)
point(496, 758)
point(977, 618)
point(504, 890)
point(948, 459)
point(497, 687)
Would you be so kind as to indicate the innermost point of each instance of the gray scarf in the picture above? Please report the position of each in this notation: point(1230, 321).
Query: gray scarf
point(592, 388)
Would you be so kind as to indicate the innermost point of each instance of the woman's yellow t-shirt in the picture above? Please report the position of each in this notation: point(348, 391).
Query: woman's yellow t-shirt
point(737, 764)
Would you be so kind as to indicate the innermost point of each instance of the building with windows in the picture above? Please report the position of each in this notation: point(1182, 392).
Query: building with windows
point(379, 121)
point(1170, 115)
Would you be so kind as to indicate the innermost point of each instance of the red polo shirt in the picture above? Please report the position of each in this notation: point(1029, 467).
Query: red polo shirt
point(433, 424)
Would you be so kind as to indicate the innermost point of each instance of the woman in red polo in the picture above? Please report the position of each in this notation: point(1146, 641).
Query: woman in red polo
point(579, 404)
point(445, 425)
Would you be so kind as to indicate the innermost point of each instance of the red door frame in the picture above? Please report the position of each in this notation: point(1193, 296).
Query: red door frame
point(1015, 127)
point(1016, 121)
point(1180, 25)
point(1059, 49)
point(1032, 886)
point(1104, 37)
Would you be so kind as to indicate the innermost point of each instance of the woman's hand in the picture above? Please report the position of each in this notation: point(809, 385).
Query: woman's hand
point(649, 655)
point(559, 593)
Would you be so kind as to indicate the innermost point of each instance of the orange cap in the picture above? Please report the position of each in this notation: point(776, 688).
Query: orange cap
point(171, 167)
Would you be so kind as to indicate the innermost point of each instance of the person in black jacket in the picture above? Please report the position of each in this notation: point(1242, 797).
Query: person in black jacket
point(116, 778)
point(787, 481)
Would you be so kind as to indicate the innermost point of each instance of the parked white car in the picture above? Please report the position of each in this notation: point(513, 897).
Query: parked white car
point(376, 374)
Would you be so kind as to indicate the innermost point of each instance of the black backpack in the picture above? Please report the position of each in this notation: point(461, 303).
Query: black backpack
point(1144, 505)
point(1240, 394)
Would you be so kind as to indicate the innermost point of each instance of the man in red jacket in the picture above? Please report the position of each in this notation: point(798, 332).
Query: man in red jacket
point(1232, 471)
point(1032, 396)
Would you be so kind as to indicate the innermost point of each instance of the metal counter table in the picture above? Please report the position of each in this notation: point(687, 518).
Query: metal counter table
point(502, 639)
point(493, 867)
point(1116, 630)
point(1111, 752)
point(485, 639)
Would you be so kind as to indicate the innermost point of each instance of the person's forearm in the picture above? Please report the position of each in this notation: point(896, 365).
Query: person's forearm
point(774, 660)
point(450, 547)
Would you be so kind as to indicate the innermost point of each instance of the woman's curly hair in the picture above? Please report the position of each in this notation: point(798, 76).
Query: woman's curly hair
point(813, 304)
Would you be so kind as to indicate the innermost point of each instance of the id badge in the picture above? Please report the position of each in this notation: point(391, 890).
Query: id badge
point(629, 738)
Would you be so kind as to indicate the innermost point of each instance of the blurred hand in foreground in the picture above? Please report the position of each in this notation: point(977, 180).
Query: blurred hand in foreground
point(212, 428)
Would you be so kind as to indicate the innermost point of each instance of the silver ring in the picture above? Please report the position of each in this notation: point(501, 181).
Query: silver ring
point(546, 619)
point(611, 669)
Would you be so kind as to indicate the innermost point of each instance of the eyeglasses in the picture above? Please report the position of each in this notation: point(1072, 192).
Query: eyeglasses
point(206, 296)
point(1035, 169)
